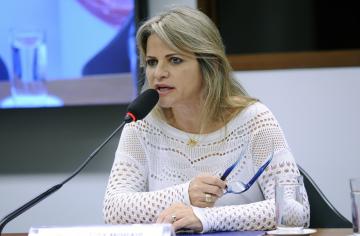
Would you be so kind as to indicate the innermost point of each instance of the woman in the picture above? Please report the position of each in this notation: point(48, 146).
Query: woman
point(167, 166)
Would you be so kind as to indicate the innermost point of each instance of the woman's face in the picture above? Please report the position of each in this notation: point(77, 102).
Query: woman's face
point(175, 75)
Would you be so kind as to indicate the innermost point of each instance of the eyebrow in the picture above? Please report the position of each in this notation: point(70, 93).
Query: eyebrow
point(167, 55)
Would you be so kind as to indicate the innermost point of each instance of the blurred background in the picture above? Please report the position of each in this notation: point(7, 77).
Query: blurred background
point(85, 42)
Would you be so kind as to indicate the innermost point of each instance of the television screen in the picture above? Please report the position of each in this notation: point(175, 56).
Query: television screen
point(67, 52)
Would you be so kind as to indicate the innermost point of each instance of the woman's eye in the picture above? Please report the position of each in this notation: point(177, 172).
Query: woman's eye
point(151, 62)
point(176, 60)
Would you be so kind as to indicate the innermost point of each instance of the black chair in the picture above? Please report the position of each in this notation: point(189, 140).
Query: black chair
point(322, 213)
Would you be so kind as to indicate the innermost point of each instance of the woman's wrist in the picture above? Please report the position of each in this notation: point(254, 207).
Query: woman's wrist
point(200, 214)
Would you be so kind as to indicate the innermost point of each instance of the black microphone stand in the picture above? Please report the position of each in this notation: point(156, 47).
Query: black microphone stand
point(56, 187)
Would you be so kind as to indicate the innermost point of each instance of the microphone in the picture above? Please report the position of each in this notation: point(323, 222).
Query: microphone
point(142, 105)
point(136, 110)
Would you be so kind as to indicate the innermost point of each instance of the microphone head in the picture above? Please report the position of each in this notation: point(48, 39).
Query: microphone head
point(142, 105)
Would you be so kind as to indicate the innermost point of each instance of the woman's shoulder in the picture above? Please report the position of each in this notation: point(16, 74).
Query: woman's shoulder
point(256, 108)
point(253, 108)
point(243, 105)
point(252, 113)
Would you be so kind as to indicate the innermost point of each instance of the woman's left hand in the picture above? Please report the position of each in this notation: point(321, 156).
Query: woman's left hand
point(180, 216)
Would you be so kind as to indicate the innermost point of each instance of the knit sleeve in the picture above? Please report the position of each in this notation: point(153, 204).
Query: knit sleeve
point(127, 198)
point(259, 215)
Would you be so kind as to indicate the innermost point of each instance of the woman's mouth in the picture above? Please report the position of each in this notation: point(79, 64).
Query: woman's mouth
point(164, 89)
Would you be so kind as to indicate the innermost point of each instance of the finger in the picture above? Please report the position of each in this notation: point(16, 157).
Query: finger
point(201, 188)
point(180, 224)
point(199, 202)
point(168, 218)
point(202, 200)
point(188, 222)
point(171, 219)
point(160, 219)
point(214, 190)
point(167, 215)
point(162, 216)
point(213, 180)
point(203, 204)
point(209, 198)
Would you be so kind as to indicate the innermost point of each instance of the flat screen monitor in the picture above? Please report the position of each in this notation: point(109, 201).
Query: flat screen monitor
point(68, 52)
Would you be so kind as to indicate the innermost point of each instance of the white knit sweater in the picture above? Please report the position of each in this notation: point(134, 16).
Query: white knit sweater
point(154, 165)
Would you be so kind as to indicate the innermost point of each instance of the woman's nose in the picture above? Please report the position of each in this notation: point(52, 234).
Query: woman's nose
point(161, 71)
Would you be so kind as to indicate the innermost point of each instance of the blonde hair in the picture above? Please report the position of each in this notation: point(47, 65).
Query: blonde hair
point(191, 31)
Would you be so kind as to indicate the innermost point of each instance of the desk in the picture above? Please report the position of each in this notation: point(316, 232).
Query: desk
point(333, 232)
point(320, 232)
point(97, 89)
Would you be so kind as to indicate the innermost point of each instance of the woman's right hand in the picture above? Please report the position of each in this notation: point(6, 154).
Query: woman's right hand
point(205, 189)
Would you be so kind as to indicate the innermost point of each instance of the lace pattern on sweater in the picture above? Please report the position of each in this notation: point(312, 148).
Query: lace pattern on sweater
point(154, 164)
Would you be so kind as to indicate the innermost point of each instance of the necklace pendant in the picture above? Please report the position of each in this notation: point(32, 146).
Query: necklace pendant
point(192, 142)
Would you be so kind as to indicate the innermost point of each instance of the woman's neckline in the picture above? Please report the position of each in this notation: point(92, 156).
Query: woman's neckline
point(204, 136)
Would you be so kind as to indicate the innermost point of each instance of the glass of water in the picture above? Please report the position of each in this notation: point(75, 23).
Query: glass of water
point(355, 204)
point(289, 204)
point(29, 57)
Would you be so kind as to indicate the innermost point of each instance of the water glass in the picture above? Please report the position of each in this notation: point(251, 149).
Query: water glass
point(29, 58)
point(355, 204)
point(289, 204)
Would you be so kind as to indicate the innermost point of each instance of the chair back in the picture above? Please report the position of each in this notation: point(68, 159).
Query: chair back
point(322, 213)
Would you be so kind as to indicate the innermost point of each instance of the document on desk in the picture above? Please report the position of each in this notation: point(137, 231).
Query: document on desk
point(106, 230)
point(232, 233)
point(128, 230)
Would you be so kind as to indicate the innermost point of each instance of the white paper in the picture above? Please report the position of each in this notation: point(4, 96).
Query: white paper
point(105, 230)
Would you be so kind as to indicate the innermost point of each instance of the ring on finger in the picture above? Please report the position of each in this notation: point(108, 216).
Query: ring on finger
point(208, 198)
point(173, 218)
